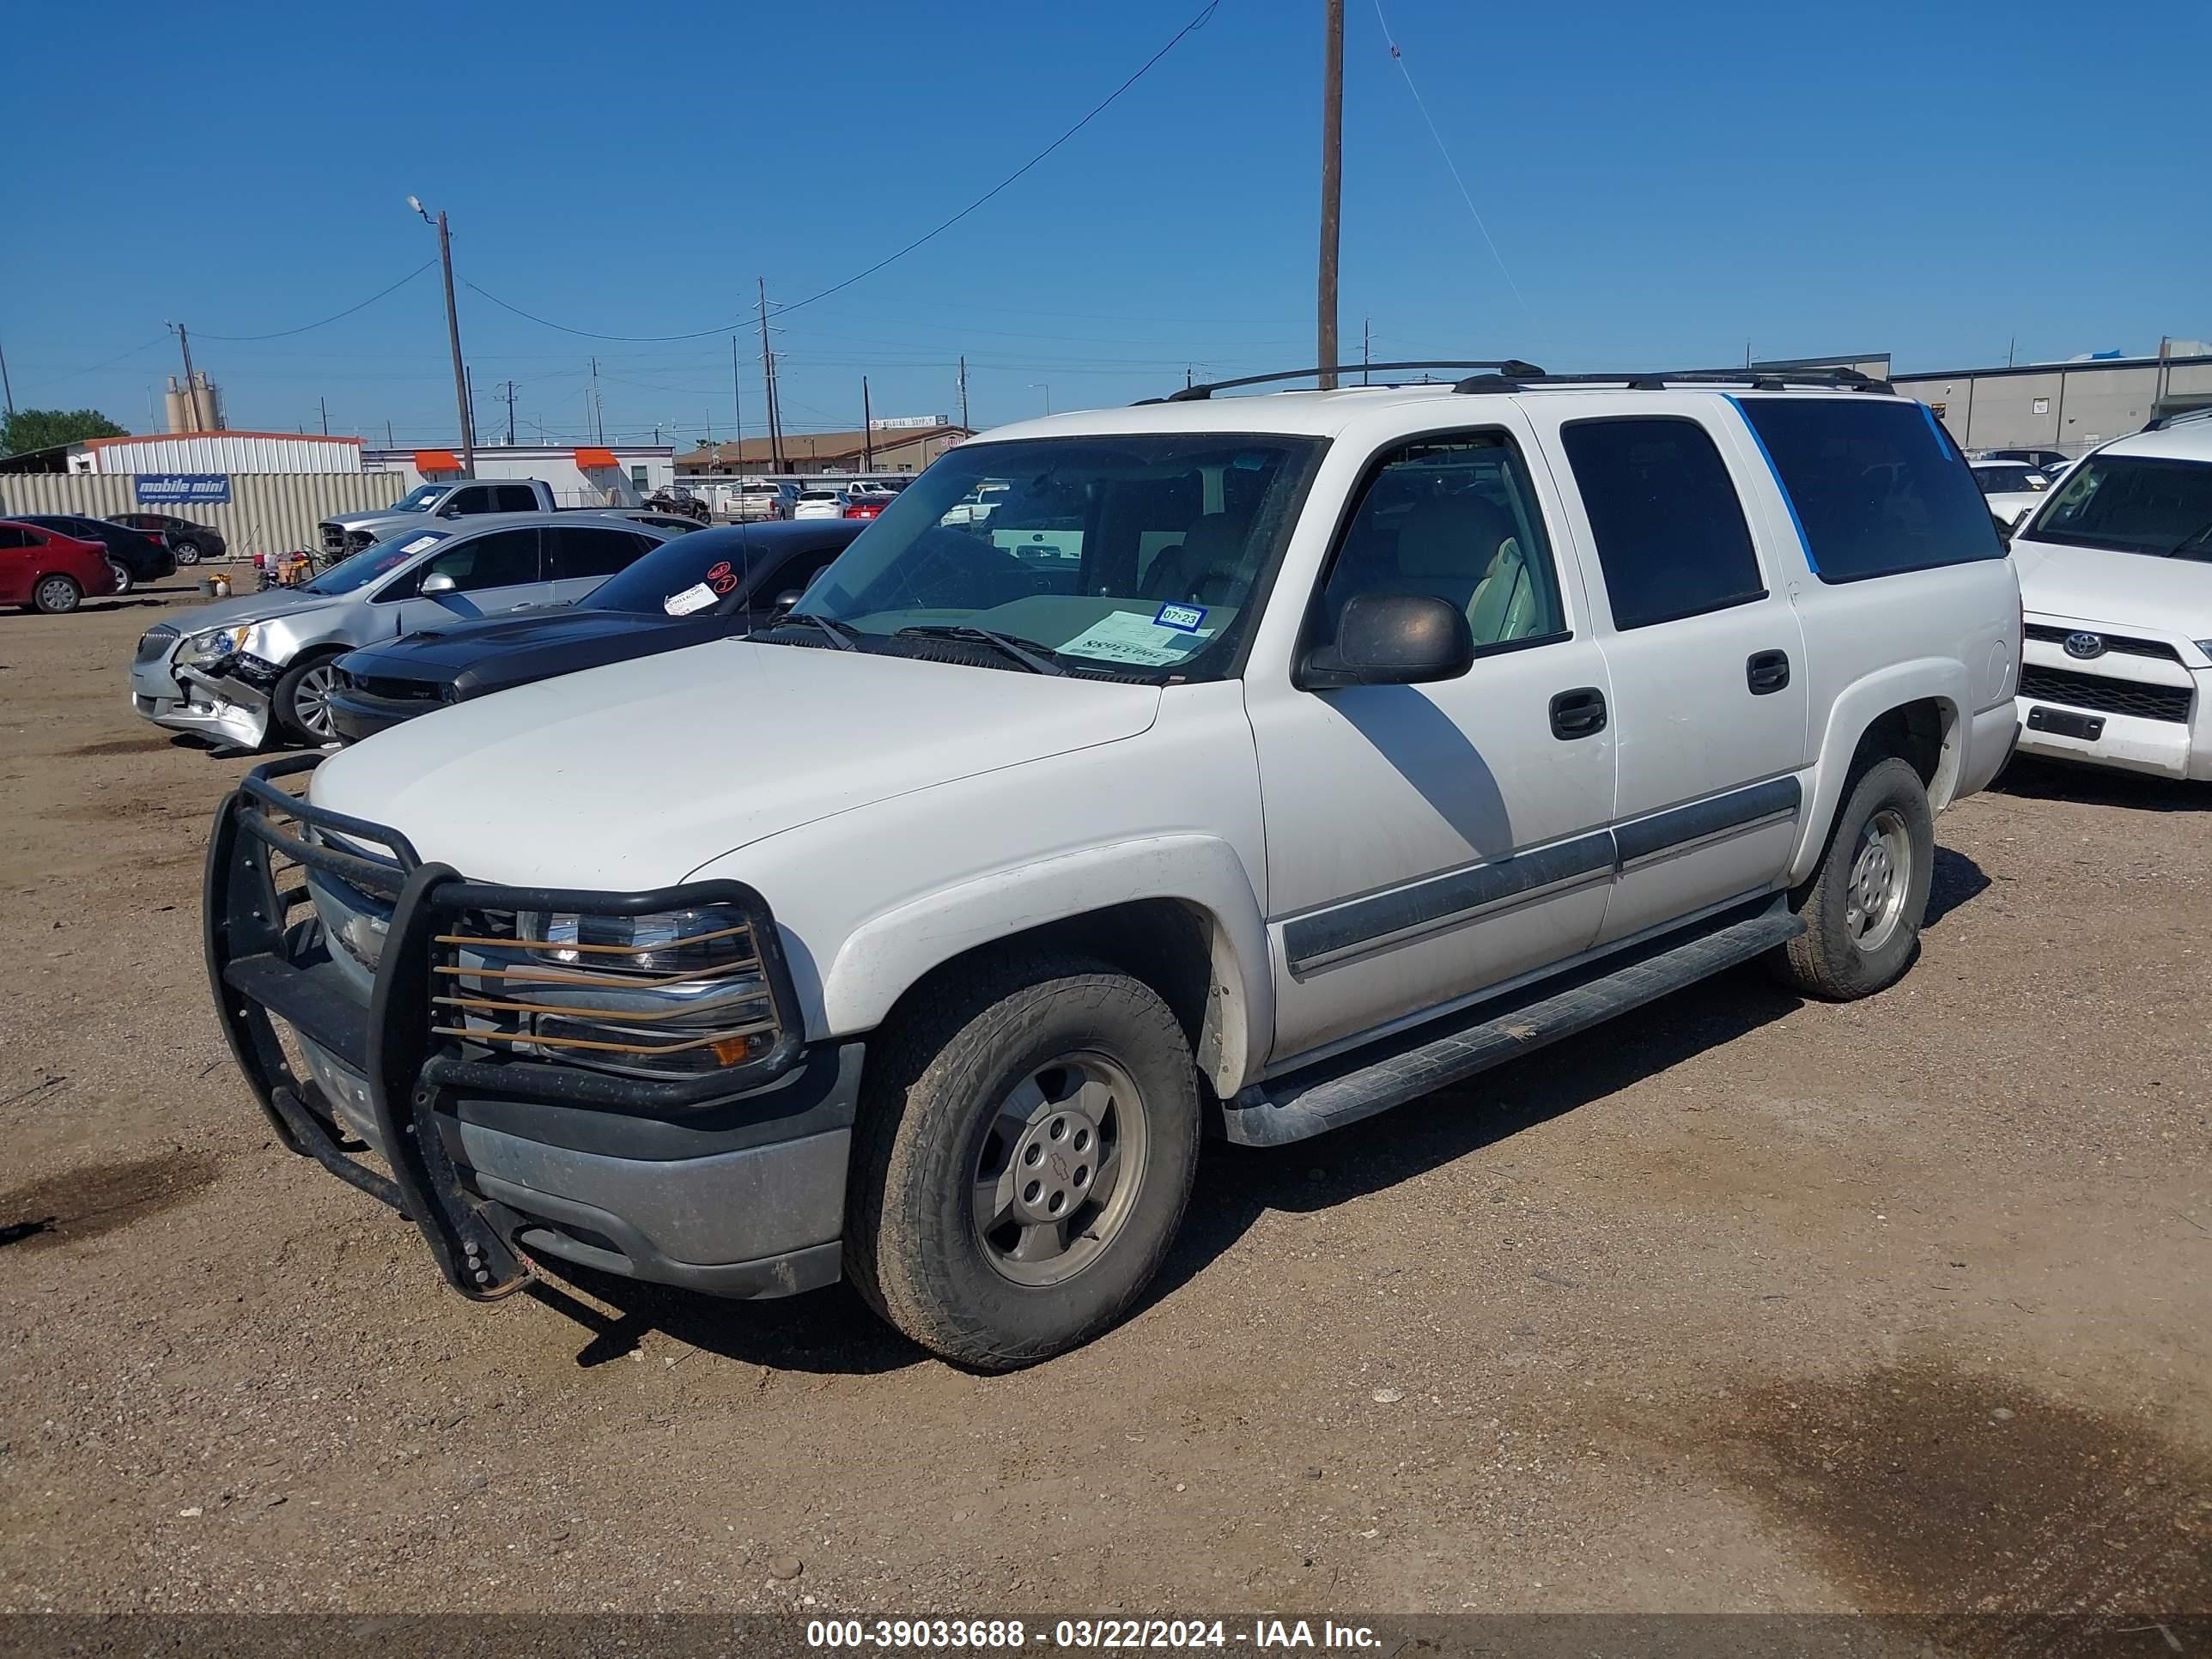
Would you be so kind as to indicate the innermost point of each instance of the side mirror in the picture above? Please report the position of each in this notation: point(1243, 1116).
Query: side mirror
point(1392, 639)
point(436, 587)
point(785, 600)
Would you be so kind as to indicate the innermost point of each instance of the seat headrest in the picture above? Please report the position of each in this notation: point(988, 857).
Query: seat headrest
point(1216, 539)
point(1454, 537)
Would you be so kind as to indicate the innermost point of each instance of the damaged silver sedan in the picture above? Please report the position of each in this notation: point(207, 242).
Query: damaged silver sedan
point(257, 669)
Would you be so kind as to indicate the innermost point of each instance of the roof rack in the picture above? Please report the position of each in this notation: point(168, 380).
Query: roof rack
point(1511, 374)
point(1192, 394)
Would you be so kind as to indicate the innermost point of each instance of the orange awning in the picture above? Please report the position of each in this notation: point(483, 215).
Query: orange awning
point(589, 459)
point(436, 460)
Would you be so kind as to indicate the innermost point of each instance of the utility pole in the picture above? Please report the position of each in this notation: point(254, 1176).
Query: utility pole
point(324, 403)
point(768, 376)
point(963, 391)
point(1365, 324)
point(2012, 346)
point(737, 406)
point(867, 429)
point(598, 415)
point(390, 443)
point(192, 386)
point(1332, 180)
point(9, 391)
point(453, 336)
point(510, 414)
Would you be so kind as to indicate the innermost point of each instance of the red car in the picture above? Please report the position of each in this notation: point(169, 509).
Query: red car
point(42, 569)
point(866, 506)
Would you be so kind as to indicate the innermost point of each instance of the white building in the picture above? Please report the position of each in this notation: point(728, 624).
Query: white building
point(586, 475)
point(217, 452)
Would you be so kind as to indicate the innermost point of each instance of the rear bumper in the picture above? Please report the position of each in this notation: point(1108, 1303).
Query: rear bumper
point(732, 1183)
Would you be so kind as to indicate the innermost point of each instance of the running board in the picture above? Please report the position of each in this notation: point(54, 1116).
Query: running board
point(1379, 1075)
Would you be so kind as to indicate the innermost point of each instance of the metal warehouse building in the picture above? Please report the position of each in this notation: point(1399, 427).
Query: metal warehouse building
point(2070, 406)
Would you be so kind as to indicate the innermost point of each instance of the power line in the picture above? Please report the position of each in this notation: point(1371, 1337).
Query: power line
point(1399, 58)
point(55, 380)
point(286, 333)
point(1198, 21)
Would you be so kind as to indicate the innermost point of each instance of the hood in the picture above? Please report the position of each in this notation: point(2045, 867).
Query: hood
point(248, 608)
point(376, 515)
point(633, 775)
point(435, 653)
point(2120, 590)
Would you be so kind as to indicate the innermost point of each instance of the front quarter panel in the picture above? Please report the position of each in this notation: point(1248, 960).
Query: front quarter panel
point(870, 900)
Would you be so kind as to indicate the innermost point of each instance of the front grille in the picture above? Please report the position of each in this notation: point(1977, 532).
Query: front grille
point(2109, 696)
point(394, 690)
point(154, 644)
point(334, 539)
point(2123, 644)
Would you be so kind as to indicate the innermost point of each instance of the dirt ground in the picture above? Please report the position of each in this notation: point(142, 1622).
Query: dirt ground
point(1743, 1303)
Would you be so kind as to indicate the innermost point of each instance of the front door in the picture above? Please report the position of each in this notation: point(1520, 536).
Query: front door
point(1706, 658)
point(1425, 843)
point(499, 570)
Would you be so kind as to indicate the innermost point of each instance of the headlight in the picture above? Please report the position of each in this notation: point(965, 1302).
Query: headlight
point(678, 994)
point(2205, 646)
point(214, 646)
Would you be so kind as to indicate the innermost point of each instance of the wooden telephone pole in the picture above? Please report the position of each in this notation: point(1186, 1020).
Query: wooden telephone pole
point(1331, 180)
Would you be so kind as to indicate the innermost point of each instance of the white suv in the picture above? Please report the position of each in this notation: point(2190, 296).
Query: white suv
point(1345, 743)
point(2116, 573)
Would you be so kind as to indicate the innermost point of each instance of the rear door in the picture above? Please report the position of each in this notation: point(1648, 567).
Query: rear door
point(578, 558)
point(497, 570)
point(1701, 643)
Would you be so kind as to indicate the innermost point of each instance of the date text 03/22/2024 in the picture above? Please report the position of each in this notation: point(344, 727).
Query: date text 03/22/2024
point(1260, 1635)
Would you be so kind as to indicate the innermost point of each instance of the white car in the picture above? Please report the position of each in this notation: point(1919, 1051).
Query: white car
point(820, 503)
point(1349, 744)
point(2116, 575)
point(2012, 489)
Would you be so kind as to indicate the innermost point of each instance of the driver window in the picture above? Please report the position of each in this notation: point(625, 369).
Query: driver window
point(463, 501)
point(1454, 519)
point(505, 558)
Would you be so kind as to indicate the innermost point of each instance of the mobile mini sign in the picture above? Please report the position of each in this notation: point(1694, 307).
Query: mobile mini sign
point(182, 489)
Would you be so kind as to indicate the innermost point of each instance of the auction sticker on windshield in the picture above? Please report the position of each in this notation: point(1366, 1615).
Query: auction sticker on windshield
point(1131, 636)
point(697, 597)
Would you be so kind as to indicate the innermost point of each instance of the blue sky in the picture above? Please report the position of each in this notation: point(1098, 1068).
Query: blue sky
point(1663, 184)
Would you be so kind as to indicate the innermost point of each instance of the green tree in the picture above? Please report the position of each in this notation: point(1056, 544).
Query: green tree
point(42, 429)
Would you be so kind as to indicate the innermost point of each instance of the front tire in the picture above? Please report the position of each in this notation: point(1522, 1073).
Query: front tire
point(1865, 904)
point(301, 703)
point(55, 596)
point(1027, 1144)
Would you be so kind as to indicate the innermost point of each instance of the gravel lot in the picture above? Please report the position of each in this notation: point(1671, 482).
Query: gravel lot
point(1745, 1303)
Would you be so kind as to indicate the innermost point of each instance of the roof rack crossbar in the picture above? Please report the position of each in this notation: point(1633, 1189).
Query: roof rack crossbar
point(1758, 379)
point(1191, 394)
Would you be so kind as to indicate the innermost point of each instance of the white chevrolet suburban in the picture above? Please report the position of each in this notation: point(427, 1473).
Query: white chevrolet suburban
point(1334, 747)
point(2116, 573)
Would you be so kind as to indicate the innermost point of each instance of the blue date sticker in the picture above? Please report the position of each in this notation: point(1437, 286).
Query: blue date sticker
point(1187, 618)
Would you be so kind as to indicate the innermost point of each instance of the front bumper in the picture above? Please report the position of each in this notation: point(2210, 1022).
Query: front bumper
point(2140, 709)
point(732, 1183)
point(355, 714)
point(223, 707)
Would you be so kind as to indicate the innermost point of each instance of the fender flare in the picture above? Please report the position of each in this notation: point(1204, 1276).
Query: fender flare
point(1942, 680)
point(879, 960)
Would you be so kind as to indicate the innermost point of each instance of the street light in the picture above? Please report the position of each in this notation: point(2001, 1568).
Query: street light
point(453, 334)
point(1044, 386)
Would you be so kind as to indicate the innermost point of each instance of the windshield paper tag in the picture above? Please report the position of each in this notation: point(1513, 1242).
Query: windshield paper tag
point(1185, 618)
point(1131, 636)
point(421, 542)
point(697, 597)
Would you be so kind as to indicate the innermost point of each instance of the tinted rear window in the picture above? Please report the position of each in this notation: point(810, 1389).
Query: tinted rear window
point(1670, 531)
point(1877, 487)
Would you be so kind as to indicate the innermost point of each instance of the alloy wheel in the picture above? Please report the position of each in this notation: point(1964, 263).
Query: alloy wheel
point(1058, 1169)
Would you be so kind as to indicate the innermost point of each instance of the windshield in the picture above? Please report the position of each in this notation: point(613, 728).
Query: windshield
point(371, 562)
point(2008, 480)
point(2131, 504)
point(707, 568)
point(421, 499)
point(1139, 554)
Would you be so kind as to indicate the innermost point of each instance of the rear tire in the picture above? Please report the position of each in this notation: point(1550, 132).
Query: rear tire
point(1000, 1106)
point(1864, 906)
point(55, 596)
point(187, 552)
point(123, 579)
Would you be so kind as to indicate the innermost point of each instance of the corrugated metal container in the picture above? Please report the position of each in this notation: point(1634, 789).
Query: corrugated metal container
point(267, 513)
point(226, 451)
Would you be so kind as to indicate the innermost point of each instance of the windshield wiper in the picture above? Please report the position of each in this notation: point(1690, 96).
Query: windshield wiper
point(1025, 652)
point(841, 635)
point(2190, 540)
